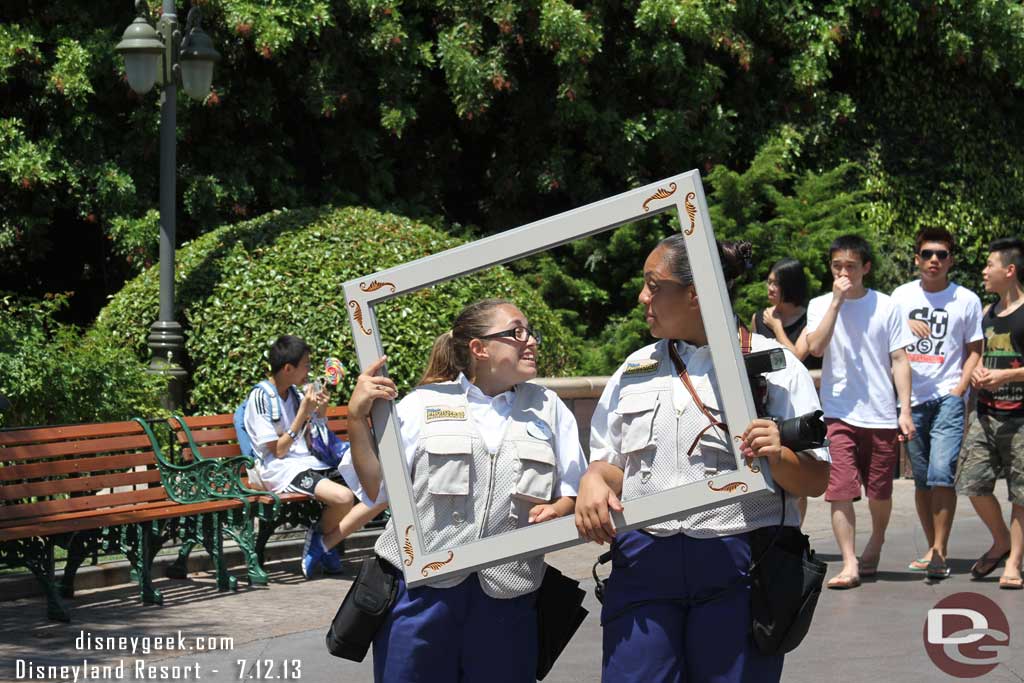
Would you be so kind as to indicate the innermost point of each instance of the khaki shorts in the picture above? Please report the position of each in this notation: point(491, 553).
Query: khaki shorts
point(994, 449)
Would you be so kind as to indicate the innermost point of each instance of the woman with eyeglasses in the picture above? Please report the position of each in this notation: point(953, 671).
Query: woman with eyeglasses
point(676, 606)
point(786, 317)
point(488, 453)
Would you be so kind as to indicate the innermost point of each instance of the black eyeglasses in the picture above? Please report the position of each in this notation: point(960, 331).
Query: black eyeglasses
point(940, 254)
point(519, 333)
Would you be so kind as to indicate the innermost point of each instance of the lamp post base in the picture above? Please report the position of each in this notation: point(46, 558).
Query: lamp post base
point(167, 348)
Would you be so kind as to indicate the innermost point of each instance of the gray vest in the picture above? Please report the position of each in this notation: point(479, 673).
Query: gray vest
point(463, 492)
point(656, 437)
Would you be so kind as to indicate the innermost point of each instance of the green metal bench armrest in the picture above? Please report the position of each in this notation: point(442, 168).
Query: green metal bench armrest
point(188, 435)
point(206, 479)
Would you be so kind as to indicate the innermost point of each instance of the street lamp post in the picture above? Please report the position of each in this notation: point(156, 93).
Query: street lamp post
point(166, 56)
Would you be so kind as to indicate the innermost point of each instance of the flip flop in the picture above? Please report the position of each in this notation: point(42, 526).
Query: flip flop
point(918, 565)
point(868, 569)
point(1011, 583)
point(937, 569)
point(986, 565)
point(842, 582)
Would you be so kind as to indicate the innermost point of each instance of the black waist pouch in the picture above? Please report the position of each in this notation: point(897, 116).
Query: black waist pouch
point(785, 582)
point(363, 611)
point(559, 614)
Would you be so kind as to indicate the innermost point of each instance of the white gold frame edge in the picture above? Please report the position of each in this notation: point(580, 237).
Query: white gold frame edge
point(682, 192)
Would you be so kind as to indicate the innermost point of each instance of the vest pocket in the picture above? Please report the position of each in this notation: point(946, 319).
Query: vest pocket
point(448, 459)
point(637, 412)
point(536, 482)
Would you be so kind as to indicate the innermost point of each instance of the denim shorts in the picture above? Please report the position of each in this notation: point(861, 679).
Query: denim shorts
point(936, 448)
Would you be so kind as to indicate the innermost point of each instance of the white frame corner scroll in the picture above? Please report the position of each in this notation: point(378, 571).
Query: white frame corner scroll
point(683, 193)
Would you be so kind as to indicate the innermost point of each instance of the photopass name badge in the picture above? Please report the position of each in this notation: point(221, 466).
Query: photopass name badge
point(966, 635)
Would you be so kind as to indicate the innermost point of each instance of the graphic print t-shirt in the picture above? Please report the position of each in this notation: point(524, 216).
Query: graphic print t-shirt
point(1004, 338)
point(954, 320)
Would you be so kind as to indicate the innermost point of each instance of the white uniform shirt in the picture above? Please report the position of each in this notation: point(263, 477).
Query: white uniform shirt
point(856, 370)
point(490, 415)
point(790, 393)
point(954, 320)
point(277, 473)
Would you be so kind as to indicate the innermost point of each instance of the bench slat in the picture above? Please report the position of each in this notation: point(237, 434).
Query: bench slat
point(92, 464)
point(18, 437)
point(97, 519)
point(78, 484)
point(74, 448)
point(43, 508)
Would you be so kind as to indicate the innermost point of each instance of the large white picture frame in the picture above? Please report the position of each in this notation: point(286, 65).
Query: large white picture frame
point(682, 194)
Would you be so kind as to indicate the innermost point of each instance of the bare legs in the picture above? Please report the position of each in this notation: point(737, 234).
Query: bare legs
point(844, 526)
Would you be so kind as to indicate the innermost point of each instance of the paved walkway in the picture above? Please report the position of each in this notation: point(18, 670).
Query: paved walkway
point(868, 634)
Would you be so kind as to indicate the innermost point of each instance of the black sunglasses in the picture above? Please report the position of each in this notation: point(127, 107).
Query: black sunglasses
point(519, 333)
point(941, 254)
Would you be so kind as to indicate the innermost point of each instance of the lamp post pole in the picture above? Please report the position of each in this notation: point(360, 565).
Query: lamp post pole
point(166, 340)
point(166, 57)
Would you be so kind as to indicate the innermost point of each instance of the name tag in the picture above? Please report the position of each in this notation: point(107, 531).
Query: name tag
point(437, 414)
point(640, 367)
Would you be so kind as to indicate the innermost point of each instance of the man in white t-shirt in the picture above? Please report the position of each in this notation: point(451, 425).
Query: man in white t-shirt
point(946, 319)
point(277, 417)
point(861, 335)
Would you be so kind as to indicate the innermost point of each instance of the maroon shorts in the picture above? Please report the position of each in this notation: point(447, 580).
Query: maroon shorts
point(861, 456)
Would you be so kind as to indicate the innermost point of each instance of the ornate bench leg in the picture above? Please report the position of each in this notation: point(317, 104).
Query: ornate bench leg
point(80, 547)
point(240, 527)
point(179, 568)
point(37, 556)
point(213, 541)
point(137, 545)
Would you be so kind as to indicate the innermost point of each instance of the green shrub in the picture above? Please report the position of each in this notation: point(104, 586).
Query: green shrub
point(53, 374)
point(241, 286)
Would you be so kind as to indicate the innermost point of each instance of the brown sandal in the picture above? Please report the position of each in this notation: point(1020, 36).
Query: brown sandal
point(986, 565)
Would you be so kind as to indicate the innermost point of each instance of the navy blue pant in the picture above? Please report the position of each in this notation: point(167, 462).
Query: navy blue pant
point(445, 635)
point(654, 628)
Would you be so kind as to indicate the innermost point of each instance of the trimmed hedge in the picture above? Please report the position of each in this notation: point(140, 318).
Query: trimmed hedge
point(241, 286)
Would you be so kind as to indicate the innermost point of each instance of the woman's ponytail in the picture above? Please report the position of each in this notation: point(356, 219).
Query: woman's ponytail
point(442, 366)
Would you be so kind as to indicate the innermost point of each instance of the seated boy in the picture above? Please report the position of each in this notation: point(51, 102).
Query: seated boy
point(277, 417)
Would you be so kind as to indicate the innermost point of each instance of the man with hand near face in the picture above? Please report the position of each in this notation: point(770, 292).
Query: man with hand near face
point(861, 335)
point(945, 318)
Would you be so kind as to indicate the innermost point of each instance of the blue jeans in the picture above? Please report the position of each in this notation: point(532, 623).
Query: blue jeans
point(934, 451)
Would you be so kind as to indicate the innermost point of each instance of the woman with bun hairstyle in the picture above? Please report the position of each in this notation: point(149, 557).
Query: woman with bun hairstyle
point(487, 453)
point(676, 605)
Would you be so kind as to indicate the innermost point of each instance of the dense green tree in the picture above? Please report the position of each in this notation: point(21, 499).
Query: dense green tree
point(481, 116)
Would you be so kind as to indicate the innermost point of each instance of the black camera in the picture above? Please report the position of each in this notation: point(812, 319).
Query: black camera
point(799, 433)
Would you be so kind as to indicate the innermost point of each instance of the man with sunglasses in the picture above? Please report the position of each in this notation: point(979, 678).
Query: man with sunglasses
point(946, 320)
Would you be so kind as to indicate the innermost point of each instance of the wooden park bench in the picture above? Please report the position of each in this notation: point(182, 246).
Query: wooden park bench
point(108, 487)
point(213, 437)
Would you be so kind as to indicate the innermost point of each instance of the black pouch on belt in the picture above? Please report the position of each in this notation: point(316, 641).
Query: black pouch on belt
point(363, 611)
point(785, 582)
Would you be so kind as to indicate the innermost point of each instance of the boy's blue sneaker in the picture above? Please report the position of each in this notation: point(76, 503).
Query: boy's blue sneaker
point(312, 553)
point(332, 561)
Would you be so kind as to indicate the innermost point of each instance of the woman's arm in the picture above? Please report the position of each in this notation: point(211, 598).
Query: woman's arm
point(800, 475)
point(369, 387)
point(600, 489)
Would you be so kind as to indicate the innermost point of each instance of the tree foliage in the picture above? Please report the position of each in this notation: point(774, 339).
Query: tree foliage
point(53, 374)
point(484, 115)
